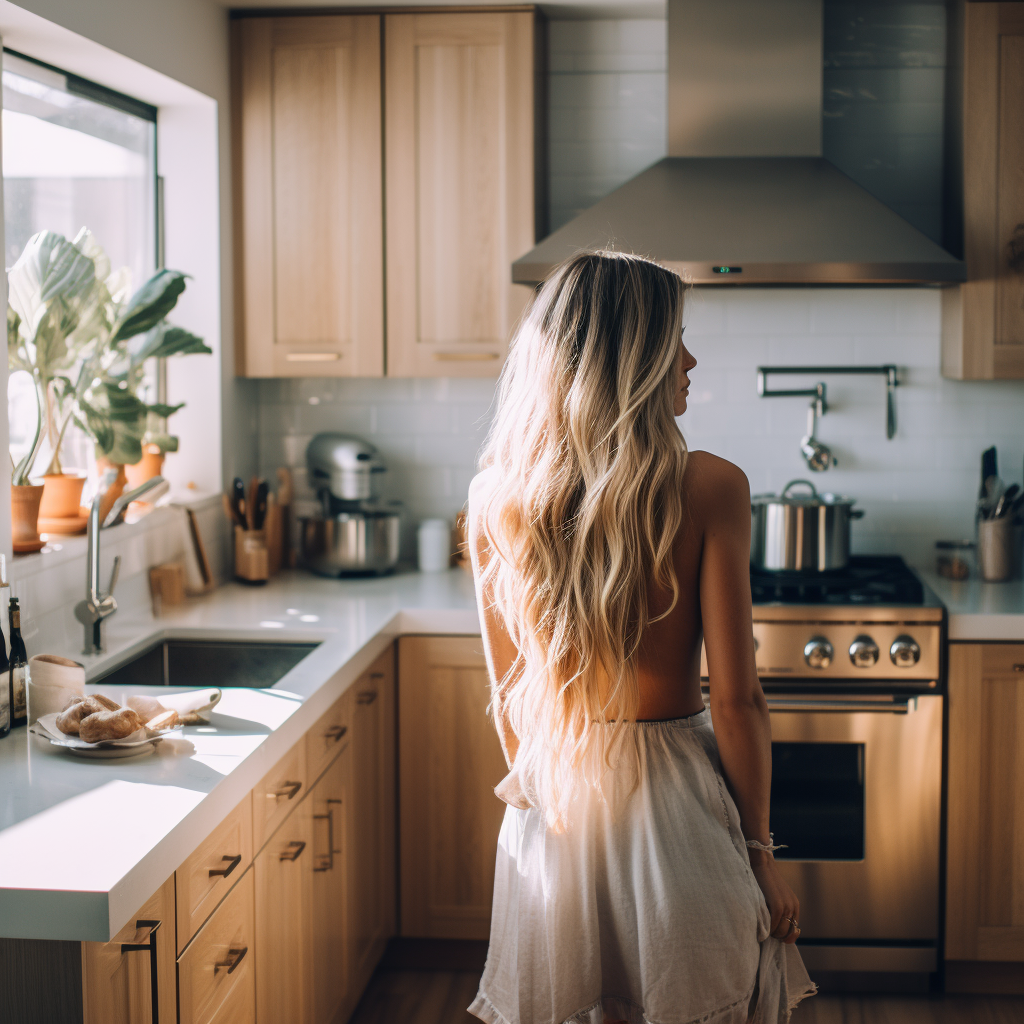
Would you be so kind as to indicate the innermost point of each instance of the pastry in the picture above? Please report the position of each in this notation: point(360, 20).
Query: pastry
point(110, 705)
point(108, 725)
point(76, 709)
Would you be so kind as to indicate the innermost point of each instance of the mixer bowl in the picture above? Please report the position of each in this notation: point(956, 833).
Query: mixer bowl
point(350, 544)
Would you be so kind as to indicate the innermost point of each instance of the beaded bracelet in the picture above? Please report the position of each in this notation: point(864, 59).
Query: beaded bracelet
point(769, 848)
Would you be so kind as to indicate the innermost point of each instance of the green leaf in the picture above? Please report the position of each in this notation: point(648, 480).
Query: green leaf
point(150, 304)
point(163, 341)
point(50, 268)
point(163, 411)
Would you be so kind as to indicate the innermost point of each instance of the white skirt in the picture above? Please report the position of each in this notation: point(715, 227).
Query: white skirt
point(646, 912)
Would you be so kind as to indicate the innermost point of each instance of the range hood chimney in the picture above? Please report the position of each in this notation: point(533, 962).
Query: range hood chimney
point(745, 196)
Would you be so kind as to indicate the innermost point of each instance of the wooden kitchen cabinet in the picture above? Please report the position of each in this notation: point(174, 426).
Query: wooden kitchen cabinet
point(116, 982)
point(463, 199)
point(459, 144)
point(216, 973)
point(985, 844)
point(983, 320)
point(308, 196)
point(370, 826)
point(329, 799)
point(283, 879)
point(450, 760)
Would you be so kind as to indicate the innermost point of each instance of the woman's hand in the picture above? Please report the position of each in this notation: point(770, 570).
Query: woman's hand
point(782, 902)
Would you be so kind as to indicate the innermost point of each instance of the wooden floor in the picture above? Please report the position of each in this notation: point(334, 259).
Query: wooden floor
point(441, 997)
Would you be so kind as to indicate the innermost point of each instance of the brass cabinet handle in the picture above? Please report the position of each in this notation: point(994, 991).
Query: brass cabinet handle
point(376, 675)
point(235, 957)
point(312, 357)
point(366, 697)
point(235, 861)
point(1018, 667)
point(458, 357)
point(328, 863)
point(142, 947)
point(292, 853)
point(336, 732)
point(289, 789)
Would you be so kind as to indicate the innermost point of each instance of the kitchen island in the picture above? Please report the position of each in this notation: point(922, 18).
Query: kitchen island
point(84, 843)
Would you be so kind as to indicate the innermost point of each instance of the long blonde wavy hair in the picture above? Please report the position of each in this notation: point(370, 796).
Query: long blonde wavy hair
point(585, 500)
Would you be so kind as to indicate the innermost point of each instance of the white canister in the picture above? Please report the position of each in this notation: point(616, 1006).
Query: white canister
point(52, 681)
point(434, 545)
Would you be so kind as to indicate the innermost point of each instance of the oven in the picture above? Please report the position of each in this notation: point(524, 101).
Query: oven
point(856, 797)
point(852, 668)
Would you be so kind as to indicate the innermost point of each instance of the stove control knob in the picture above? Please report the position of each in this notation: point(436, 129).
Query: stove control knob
point(818, 652)
point(905, 652)
point(863, 651)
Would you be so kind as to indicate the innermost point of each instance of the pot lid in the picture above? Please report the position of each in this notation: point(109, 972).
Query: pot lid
point(809, 499)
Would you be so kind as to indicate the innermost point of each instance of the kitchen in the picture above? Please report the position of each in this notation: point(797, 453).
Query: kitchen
point(394, 334)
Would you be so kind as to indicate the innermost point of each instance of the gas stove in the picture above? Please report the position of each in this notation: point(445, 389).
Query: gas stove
point(873, 624)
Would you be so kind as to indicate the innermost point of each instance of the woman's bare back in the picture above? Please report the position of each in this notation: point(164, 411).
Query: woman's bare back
point(669, 659)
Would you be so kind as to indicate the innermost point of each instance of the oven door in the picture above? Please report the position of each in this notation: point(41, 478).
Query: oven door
point(856, 787)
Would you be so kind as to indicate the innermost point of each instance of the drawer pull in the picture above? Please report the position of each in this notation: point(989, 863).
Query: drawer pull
point(336, 732)
point(312, 357)
point(235, 861)
point(366, 697)
point(1018, 667)
point(289, 789)
point(458, 357)
point(293, 851)
point(327, 864)
point(148, 947)
point(236, 956)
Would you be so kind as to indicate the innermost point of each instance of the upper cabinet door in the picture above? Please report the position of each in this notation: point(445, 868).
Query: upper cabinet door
point(459, 144)
point(309, 217)
point(983, 320)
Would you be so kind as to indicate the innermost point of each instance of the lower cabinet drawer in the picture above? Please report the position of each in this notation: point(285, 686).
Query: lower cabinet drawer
point(216, 976)
point(278, 794)
point(213, 868)
point(325, 740)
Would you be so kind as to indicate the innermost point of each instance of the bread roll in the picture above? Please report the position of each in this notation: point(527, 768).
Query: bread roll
point(76, 709)
point(110, 705)
point(108, 725)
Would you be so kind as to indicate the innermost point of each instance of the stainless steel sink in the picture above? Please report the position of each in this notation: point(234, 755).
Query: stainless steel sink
point(208, 663)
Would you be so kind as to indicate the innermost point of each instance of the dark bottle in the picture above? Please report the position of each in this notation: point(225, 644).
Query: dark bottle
point(18, 669)
point(5, 688)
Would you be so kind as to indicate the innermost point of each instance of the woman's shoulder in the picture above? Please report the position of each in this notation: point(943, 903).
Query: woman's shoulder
point(715, 483)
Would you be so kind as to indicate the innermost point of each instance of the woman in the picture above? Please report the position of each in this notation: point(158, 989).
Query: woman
point(635, 880)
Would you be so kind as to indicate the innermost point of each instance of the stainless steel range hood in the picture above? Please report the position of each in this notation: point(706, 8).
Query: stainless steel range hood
point(745, 196)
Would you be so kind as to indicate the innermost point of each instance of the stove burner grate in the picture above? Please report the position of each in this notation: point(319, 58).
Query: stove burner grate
point(867, 580)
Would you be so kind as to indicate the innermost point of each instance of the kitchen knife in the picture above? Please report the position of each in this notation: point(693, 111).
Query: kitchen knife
point(989, 467)
point(259, 509)
point(238, 501)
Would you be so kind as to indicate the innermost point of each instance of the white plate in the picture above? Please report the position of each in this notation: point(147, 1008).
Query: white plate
point(141, 741)
point(107, 753)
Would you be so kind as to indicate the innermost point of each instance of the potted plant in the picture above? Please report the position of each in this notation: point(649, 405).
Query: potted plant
point(124, 427)
point(53, 295)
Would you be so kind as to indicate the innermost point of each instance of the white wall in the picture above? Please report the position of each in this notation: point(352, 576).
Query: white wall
point(607, 91)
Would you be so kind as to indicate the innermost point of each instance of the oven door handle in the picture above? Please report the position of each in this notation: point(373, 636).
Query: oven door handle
point(893, 707)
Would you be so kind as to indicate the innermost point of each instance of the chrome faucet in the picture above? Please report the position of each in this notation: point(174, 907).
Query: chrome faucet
point(98, 606)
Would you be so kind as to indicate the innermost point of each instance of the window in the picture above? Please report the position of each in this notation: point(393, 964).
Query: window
point(75, 154)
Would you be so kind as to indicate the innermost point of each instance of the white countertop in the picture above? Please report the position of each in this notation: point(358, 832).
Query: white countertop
point(980, 611)
point(84, 843)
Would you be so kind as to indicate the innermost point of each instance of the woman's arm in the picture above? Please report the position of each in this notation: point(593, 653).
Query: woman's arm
point(738, 706)
point(499, 650)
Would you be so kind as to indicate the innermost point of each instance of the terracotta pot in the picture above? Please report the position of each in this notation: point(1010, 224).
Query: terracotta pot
point(25, 517)
point(116, 488)
point(62, 496)
point(150, 465)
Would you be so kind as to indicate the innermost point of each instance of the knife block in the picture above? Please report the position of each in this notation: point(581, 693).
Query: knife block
point(252, 563)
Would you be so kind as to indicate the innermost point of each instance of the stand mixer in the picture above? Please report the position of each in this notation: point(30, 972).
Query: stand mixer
point(354, 534)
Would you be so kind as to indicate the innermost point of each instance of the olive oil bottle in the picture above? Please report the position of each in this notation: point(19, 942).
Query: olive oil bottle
point(18, 669)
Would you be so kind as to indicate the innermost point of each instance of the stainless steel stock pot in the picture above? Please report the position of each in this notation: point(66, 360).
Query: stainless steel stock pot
point(801, 532)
